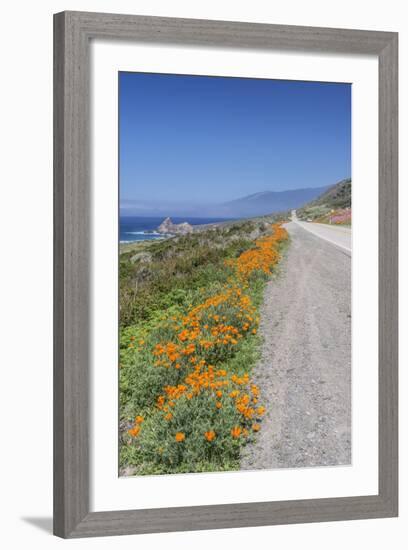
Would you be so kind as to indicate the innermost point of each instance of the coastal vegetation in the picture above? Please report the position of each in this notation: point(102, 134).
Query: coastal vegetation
point(332, 207)
point(342, 216)
point(189, 313)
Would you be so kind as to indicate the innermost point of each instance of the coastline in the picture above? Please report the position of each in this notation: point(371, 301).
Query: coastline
point(138, 246)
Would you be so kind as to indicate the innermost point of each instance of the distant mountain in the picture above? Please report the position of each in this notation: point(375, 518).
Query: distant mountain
point(267, 202)
point(250, 206)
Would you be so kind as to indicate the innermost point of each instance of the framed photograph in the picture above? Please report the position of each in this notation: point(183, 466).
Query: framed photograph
point(225, 288)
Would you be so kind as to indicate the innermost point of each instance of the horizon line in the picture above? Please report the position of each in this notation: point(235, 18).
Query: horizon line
point(250, 194)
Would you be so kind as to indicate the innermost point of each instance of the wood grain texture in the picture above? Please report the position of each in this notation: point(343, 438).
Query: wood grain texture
point(388, 273)
point(228, 33)
point(72, 33)
point(71, 284)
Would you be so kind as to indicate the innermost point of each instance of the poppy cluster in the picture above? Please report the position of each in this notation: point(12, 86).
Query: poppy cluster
point(200, 399)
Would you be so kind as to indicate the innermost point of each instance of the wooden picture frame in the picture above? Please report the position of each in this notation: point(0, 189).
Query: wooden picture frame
point(72, 34)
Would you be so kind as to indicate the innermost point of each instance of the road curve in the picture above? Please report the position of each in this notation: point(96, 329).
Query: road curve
point(305, 370)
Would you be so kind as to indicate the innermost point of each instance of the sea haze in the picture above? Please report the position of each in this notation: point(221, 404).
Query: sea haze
point(256, 204)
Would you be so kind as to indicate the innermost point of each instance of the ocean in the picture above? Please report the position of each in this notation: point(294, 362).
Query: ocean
point(132, 228)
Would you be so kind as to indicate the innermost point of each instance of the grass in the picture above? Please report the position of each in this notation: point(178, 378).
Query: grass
point(188, 341)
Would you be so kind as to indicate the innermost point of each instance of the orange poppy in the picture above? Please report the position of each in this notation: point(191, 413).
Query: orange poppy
point(236, 432)
point(134, 432)
point(210, 435)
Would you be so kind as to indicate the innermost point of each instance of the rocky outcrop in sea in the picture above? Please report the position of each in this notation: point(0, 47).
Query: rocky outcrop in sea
point(170, 228)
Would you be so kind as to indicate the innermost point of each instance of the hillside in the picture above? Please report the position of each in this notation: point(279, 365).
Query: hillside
point(337, 196)
point(335, 200)
point(265, 202)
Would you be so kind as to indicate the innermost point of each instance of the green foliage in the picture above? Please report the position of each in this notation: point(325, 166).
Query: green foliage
point(178, 267)
point(336, 197)
point(157, 298)
point(157, 445)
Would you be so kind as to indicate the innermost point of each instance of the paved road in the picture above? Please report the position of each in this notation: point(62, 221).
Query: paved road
point(305, 370)
point(334, 234)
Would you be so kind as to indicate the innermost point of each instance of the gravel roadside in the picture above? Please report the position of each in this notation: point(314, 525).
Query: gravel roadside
point(304, 373)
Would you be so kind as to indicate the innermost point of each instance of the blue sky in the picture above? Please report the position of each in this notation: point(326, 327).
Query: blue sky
point(214, 139)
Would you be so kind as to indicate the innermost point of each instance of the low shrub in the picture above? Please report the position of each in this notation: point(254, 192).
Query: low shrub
point(186, 395)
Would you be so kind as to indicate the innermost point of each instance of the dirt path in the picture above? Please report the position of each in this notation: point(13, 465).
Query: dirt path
point(305, 370)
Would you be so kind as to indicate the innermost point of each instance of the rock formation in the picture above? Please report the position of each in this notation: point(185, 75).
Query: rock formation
point(167, 226)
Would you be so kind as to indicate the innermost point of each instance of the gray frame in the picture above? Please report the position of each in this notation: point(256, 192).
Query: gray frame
point(72, 33)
